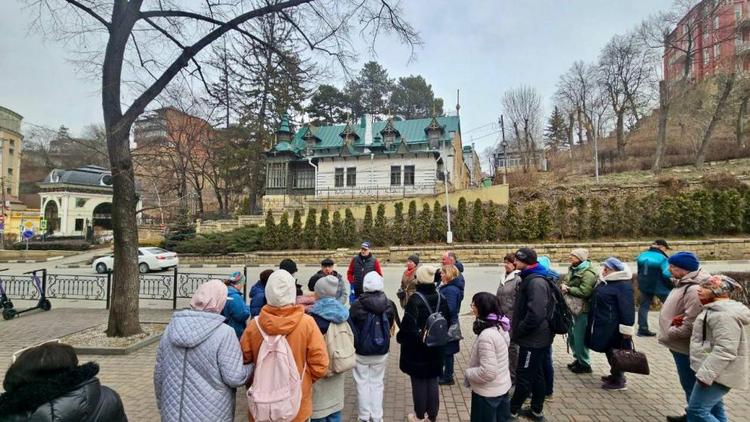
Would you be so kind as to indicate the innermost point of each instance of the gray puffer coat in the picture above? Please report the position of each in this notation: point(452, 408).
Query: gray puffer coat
point(198, 367)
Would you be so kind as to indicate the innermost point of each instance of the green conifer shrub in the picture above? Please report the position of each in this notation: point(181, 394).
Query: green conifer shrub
point(310, 232)
point(324, 230)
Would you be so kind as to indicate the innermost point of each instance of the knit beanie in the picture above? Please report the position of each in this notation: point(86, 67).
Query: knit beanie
point(580, 253)
point(327, 286)
point(373, 282)
point(281, 289)
point(414, 258)
point(264, 277)
point(526, 255)
point(288, 265)
point(614, 264)
point(236, 278)
point(688, 261)
point(426, 274)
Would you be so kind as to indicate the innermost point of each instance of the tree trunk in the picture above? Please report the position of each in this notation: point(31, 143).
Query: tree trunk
point(620, 128)
point(571, 127)
point(661, 135)
point(720, 104)
point(580, 128)
point(740, 123)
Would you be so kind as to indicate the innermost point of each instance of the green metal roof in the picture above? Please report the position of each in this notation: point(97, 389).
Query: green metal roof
point(412, 131)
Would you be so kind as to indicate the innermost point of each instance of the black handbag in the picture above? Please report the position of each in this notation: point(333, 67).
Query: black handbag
point(630, 360)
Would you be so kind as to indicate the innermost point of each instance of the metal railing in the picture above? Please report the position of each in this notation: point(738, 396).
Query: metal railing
point(166, 287)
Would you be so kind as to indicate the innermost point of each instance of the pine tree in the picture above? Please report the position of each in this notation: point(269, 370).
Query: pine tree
point(424, 223)
point(556, 132)
point(380, 232)
point(397, 226)
point(366, 233)
point(491, 223)
point(411, 229)
point(477, 233)
point(270, 236)
point(562, 217)
point(284, 231)
point(310, 233)
point(296, 228)
point(461, 222)
point(511, 229)
point(581, 218)
point(338, 231)
point(350, 228)
point(544, 221)
point(437, 229)
point(324, 230)
point(596, 219)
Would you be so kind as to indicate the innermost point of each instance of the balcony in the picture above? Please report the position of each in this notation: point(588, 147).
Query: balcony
point(743, 22)
point(742, 48)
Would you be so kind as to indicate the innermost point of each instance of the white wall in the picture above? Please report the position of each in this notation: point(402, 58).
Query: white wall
point(374, 175)
point(69, 212)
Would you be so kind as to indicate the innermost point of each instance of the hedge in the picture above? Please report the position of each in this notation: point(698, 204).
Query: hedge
point(59, 245)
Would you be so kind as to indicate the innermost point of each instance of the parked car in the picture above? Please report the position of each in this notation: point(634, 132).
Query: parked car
point(149, 259)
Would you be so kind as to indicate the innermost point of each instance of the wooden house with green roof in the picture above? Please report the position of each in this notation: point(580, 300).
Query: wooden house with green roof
point(366, 159)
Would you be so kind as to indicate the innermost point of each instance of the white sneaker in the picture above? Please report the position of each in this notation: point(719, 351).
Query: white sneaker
point(413, 418)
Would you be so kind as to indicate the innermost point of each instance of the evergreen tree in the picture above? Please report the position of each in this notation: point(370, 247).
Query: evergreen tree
point(562, 217)
point(596, 218)
point(366, 233)
point(310, 233)
point(528, 229)
point(270, 236)
point(461, 222)
point(324, 230)
point(556, 132)
point(491, 223)
point(705, 222)
point(397, 227)
point(338, 231)
point(412, 98)
point(380, 232)
point(350, 228)
point(632, 215)
point(582, 218)
point(296, 227)
point(544, 221)
point(437, 230)
point(477, 232)
point(284, 231)
point(614, 218)
point(181, 230)
point(412, 225)
point(511, 229)
point(370, 90)
point(726, 218)
point(746, 212)
point(424, 224)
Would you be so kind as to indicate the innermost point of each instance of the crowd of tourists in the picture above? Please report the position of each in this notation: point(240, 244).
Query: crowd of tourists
point(294, 350)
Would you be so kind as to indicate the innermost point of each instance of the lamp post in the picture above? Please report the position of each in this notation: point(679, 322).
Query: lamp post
point(504, 144)
point(449, 234)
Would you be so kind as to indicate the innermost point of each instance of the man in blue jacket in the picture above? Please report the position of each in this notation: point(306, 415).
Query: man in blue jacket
point(654, 279)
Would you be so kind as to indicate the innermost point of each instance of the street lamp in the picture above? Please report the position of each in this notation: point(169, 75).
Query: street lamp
point(449, 234)
point(504, 144)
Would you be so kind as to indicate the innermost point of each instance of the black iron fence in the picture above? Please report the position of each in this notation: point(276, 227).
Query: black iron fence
point(167, 287)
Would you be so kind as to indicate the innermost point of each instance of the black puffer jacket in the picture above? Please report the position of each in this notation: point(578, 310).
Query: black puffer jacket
point(373, 303)
point(532, 310)
point(418, 360)
point(72, 396)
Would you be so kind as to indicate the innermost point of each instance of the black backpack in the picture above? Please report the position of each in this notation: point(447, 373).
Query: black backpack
point(374, 337)
point(560, 319)
point(435, 331)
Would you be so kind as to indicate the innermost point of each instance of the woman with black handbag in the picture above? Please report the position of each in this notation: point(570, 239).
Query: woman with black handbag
point(612, 317)
point(452, 289)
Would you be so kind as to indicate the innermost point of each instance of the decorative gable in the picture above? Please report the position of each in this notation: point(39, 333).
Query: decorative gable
point(434, 131)
point(389, 134)
point(349, 134)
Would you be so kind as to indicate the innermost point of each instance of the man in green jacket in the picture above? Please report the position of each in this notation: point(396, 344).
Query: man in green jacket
point(578, 285)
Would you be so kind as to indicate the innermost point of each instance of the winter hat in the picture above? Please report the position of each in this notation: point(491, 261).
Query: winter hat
point(373, 282)
point(365, 245)
point(614, 264)
point(545, 262)
point(580, 253)
point(327, 286)
point(264, 277)
point(281, 289)
point(426, 274)
point(414, 258)
point(328, 262)
point(688, 261)
point(288, 265)
point(721, 285)
point(210, 297)
point(236, 278)
point(526, 255)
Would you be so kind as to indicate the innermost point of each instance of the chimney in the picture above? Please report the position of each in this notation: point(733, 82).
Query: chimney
point(367, 118)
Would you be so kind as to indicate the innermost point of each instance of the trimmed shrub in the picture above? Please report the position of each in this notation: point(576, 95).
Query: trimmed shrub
point(511, 229)
point(562, 217)
point(397, 234)
point(491, 223)
point(412, 227)
point(476, 231)
point(338, 231)
point(53, 245)
point(528, 229)
point(596, 218)
point(380, 231)
point(297, 226)
point(284, 231)
point(461, 222)
point(366, 232)
point(350, 228)
point(423, 225)
point(271, 237)
point(438, 227)
point(581, 223)
point(325, 240)
point(544, 221)
point(310, 232)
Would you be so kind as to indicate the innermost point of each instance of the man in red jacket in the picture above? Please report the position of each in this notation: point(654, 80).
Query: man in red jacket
point(361, 264)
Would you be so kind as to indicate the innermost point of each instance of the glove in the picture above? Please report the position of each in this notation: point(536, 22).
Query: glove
point(677, 321)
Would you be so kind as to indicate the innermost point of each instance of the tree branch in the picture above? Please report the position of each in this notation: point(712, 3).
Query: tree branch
point(90, 12)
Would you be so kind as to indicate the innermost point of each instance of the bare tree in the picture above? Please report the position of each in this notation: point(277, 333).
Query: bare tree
point(152, 42)
point(523, 106)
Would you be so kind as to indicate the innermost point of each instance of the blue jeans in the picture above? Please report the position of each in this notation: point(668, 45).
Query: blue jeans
point(705, 404)
point(645, 305)
point(686, 374)
point(333, 417)
point(549, 372)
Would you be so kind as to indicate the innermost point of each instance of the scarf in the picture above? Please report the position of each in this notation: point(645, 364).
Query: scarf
point(330, 309)
point(583, 266)
point(409, 273)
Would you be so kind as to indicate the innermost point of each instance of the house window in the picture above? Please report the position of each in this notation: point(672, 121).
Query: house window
point(737, 12)
point(395, 175)
point(305, 179)
point(79, 225)
point(434, 139)
point(339, 177)
point(276, 175)
point(717, 51)
point(10, 172)
point(705, 56)
point(716, 22)
point(351, 176)
point(408, 175)
point(11, 151)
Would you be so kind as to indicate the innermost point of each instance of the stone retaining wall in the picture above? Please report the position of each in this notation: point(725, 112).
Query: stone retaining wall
point(709, 249)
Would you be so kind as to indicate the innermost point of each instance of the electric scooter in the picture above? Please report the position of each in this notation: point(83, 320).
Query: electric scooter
point(5, 303)
point(43, 303)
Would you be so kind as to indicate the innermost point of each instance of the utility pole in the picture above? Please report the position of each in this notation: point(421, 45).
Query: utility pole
point(504, 144)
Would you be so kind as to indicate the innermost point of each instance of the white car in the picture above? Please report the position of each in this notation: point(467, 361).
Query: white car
point(149, 259)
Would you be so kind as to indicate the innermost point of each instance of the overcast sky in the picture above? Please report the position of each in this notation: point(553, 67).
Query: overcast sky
point(480, 47)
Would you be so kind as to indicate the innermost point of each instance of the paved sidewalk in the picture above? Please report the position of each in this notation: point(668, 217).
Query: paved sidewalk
point(577, 398)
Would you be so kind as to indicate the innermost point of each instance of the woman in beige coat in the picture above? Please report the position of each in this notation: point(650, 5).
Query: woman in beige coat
point(719, 349)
